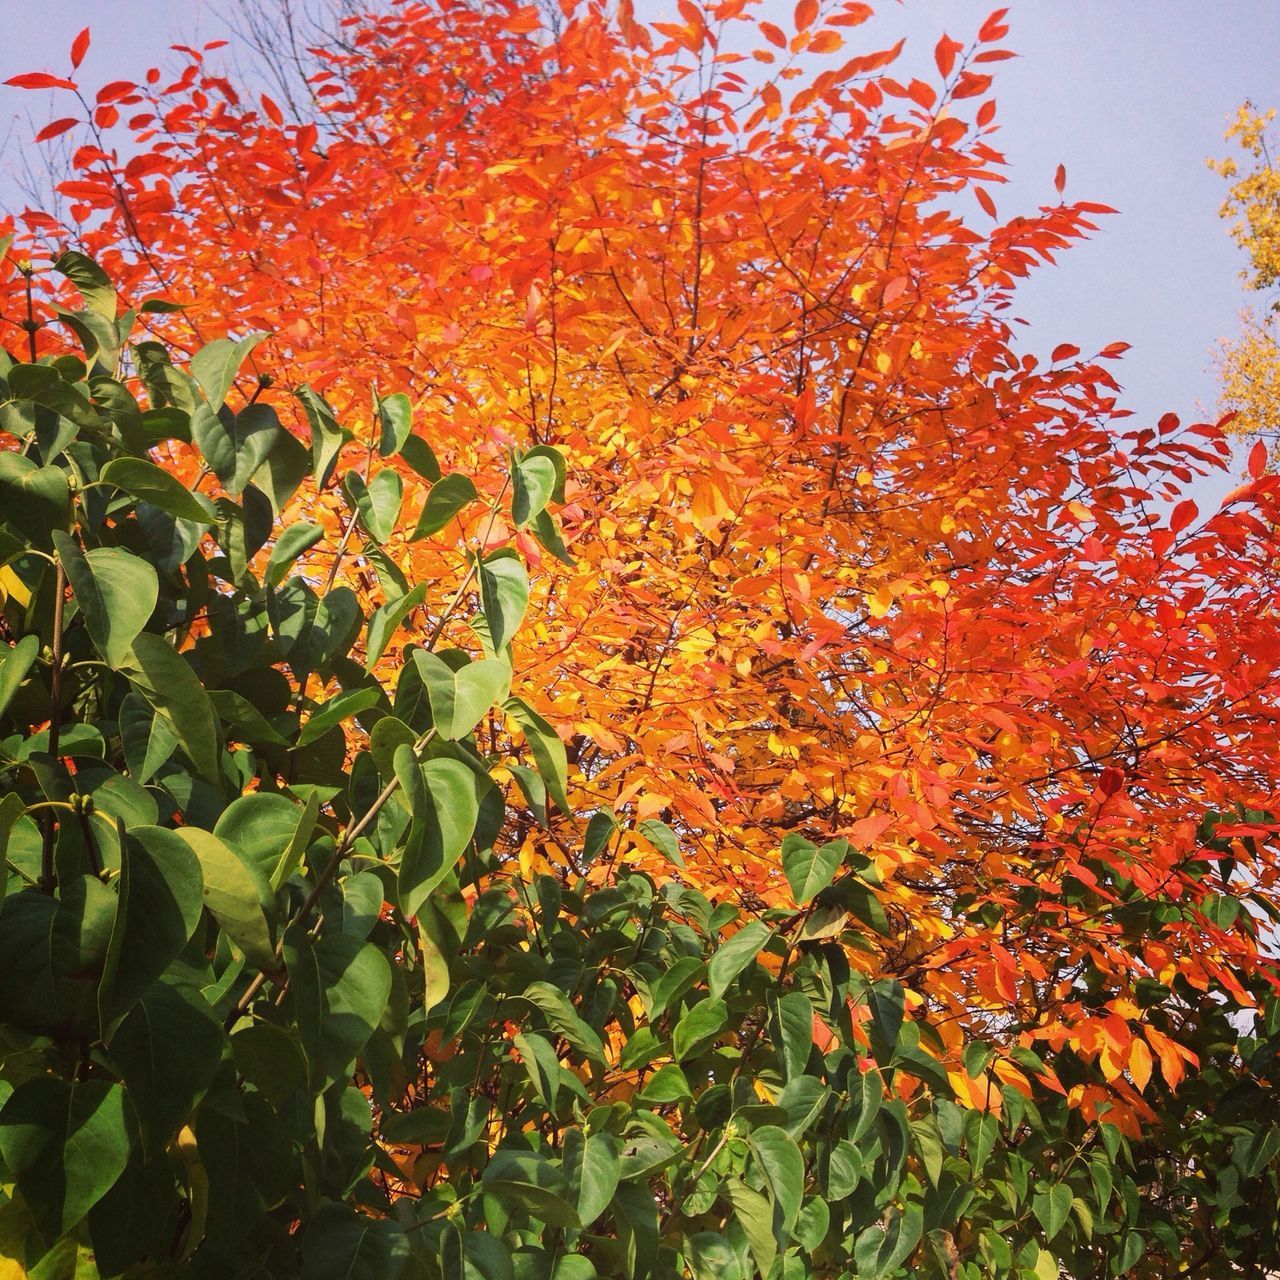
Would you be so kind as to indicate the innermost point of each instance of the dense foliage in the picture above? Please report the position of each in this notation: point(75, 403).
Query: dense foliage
point(874, 868)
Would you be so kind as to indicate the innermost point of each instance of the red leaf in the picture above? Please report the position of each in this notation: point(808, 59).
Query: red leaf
point(988, 204)
point(806, 13)
point(944, 54)
point(115, 90)
point(272, 111)
point(986, 114)
point(40, 80)
point(1183, 514)
point(1258, 460)
point(79, 47)
point(1060, 178)
point(56, 128)
point(1110, 781)
point(993, 28)
point(1065, 352)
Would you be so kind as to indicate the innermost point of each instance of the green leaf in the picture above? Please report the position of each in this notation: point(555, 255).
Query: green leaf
point(880, 1250)
point(341, 1244)
point(783, 1167)
point(504, 595)
point(712, 1257)
point(246, 722)
point(339, 987)
point(94, 284)
point(735, 955)
point(165, 678)
point(148, 483)
point(236, 446)
point(868, 1097)
point(592, 1165)
point(236, 893)
point(292, 542)
point(395, 417)
point(887, 1001)
point(795, 1033)
point(116, 592)
point(535, 1184)
point(161, 896)
point(66, 1144)
point(562, 1017)
point(33, 500)
point(556, 458)
point(547, 748)
point(1052, 1207)
point(215, 365)
point(809, 868)
point(663, 839)
point(18, 659)
point(698, 1028)
point(449, 495)
point(533, 482)
point(327, 437)
point(754, 1216)
point(444, 799)
point(417, 453)
point(167, 1050)
point(384, 621)
point(260, 827)
point(378, 503)
point(340, 707)
point(459, 699)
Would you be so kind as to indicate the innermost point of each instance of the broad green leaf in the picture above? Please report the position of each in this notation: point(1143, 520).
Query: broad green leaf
point(795, 1033)
point(216, 364)
point(94, 284)
point(327, 437)
point(563, 1018)
point(663, 839)
point(161, 896)
point(504, 595)
point(881, 1249)
point(712, 1257)
point(340, 707)
point(236, 446)
point(167, 1050)
point(66, 1144)
point(554, 456)
point(867, 1092)
point(783, 1167)
point(532, 1182)
point(338, 987)
point(165, 678)
point(418, 454)
point(385, 619)
point(733, 956)
point(148, 483)
point(812, 1224)
point(246, 722)
point(533, 481)
point(341, 1244)
point(592, 1165)
point(395, 417)
point(459, 699)
point(116, 592)
point(11, 809)
point(260, 827)
point(809, 868)
point(17, 660)
point(444, 799)
point(547, 748)
point(294, 539)
point(698, 1028)
point(887, 1001)
point(236, 893)
point(1052, 1207)
point(449, 495)
point(754, 1216)
point(33, 500)
point(378, 503)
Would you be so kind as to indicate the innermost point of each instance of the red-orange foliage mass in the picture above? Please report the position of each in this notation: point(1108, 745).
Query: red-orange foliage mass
point(844, 562)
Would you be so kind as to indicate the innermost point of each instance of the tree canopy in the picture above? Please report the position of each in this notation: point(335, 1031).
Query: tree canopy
point(876, 675)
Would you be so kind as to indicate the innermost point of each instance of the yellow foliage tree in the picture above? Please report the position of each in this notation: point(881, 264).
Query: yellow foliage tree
point(1249, 366)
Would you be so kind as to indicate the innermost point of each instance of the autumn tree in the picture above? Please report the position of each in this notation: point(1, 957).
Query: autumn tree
point(1250, 365)
point(836, 568)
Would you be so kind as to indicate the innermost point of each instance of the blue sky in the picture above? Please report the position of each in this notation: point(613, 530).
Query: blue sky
point(1131, 97)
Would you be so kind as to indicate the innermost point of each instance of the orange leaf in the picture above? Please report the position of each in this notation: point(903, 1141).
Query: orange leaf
point(1140, 1063)
point(806, 14)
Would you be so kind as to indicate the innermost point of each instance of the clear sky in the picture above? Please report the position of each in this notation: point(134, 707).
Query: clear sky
point(1130, 96)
